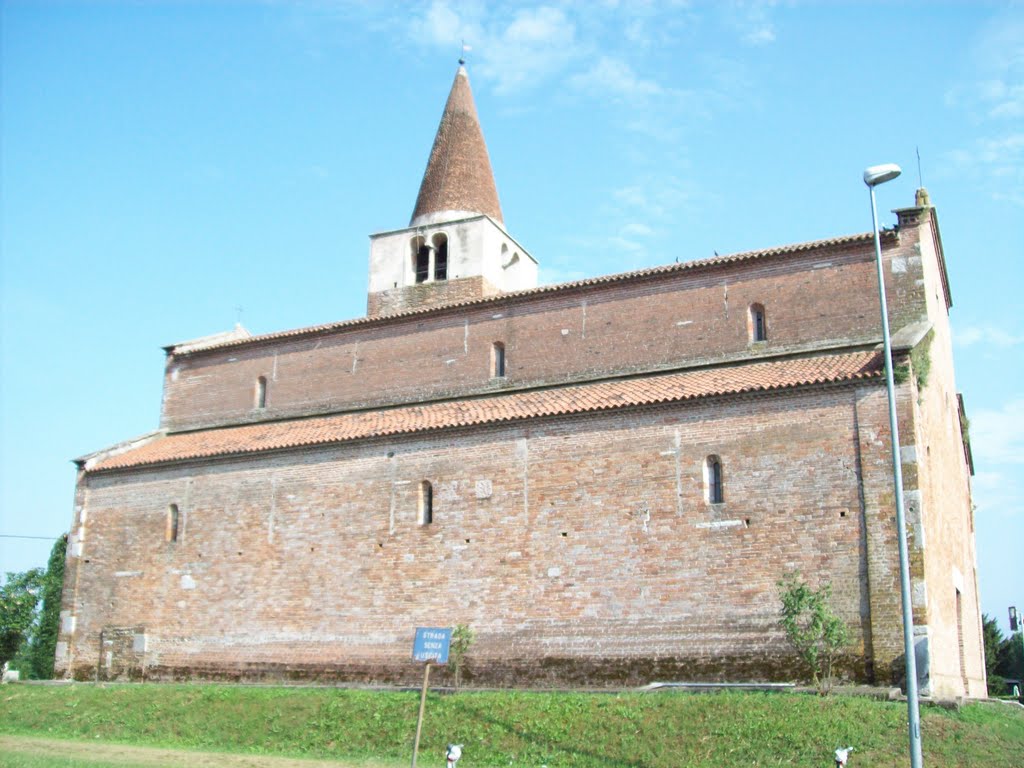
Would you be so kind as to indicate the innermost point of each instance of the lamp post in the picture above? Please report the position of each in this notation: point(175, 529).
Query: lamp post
point(1017, 624)
point(873, 176)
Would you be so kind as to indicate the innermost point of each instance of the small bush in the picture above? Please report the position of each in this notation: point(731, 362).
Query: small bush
point(812, 627)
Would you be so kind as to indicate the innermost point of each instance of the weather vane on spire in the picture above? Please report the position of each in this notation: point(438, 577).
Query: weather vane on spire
point(465, 49)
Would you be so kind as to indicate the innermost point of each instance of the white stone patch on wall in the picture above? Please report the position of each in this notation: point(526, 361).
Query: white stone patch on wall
point(899, 264)
point(62, 650)
point(958, 580)
point(919, 596)
point(721, 524)
point(484, 489)
point(908, 454)
point(448, 491)
point(67, 622)
point(554, 572)
point(187, 582)
point(139, 643)
point(126, 574)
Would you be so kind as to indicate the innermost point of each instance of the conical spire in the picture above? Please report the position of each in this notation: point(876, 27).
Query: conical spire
point(458, 179)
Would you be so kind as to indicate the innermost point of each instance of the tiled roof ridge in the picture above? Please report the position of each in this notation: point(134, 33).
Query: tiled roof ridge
point(731, 361)
point(511, 296)
point(569, 400)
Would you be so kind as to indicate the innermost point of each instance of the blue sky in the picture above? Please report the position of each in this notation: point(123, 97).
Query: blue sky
point(165, 164)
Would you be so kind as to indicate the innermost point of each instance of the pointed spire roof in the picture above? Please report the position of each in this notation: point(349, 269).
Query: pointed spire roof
point(458, 179)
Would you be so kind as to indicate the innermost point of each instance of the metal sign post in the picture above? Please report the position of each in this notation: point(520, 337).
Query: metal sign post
point(431, 646)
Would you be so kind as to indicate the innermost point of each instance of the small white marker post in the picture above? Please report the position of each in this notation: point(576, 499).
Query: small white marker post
point(431, 645)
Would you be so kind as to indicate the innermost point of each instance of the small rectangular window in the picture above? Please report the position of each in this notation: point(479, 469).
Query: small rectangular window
point(423, 264)
point(713, 480)
point(498, 360)
point(261, 392)
point(426, 503)
point(440, 257)
point(173, 521)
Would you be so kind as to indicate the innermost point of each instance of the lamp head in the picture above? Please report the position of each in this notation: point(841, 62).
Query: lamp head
point(879, 174)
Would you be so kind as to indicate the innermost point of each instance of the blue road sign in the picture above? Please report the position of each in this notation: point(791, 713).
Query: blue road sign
point(431, 644)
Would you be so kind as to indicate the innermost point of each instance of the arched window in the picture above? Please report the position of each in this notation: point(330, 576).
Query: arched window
point(713, 480)
point(173, 520)
point(440, 256)
point(260, 400)
point(758, 324)
point(426, 503)
point(420, 259)
point(497, 360)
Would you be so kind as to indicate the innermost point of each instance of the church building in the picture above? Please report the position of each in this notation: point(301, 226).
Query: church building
point(605, 479)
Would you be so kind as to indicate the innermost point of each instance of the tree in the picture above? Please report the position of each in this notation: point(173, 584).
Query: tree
point(993, 638)
point(1011, 658)
point(43, 642)
point(812, 627)
point(462, 639)
point(19, 597)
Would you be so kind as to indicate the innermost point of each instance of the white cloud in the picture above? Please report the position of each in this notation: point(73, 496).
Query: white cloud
point(753, 20)
point(997, 493)
point(547, 275)
point(991, 94)
point(986, 335)
point(515, 51)
point(997, 436)
point(636, 229)
point(997, 161)
point(611, 77)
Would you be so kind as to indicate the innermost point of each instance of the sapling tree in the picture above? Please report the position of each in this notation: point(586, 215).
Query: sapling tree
point(462, 639)
point(19, 596)
point(812, 627)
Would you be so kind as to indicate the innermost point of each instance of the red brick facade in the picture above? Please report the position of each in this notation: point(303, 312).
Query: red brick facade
point(580, 547)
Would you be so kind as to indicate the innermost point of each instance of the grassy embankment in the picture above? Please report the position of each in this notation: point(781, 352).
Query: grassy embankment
point(512, 728)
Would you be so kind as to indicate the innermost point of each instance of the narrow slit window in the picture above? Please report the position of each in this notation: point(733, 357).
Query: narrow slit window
point(440, 257)
point(713, 480)
point(426, 503)
point(758, 323)
point(260, 399)
point(498, 360)
point(173, 521)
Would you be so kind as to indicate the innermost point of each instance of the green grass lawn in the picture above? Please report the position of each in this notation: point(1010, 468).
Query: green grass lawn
point(630, 730)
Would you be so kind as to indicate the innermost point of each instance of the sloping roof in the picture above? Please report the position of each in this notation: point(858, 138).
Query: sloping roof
point(580, 399)
point(458, 175)
point(575, 285)
point(238, 333)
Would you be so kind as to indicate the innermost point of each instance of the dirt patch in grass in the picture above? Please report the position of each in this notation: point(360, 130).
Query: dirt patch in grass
point(105, 753)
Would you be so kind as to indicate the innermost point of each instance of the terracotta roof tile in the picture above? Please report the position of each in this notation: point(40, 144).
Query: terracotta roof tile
point(578, 399)
point(458, 175)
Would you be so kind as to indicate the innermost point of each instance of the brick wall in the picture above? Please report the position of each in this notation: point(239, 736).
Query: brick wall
point(812, 299)
point(945, 531)
point(432, 294)
point(580, 550)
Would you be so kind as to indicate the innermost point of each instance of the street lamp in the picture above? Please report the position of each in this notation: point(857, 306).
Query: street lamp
point(873, 176)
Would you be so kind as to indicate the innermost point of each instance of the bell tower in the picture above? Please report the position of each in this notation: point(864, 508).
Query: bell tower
point(455, 247)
